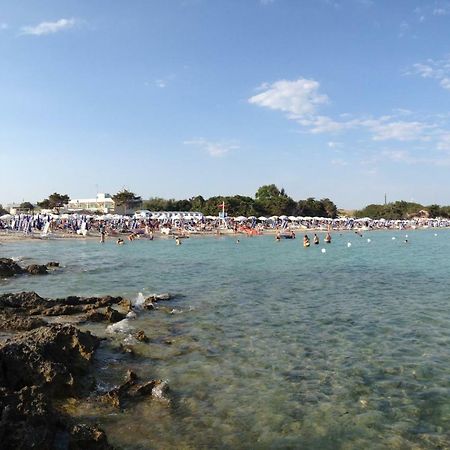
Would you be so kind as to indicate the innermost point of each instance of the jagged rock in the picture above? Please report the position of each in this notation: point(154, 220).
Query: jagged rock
point(52, 358)
point(160, 390)
point(37, 269)
point(126, 304)
point(148, 303)
point(109, 315)
point(113, 315)
point(22, 300)
point(158, 297)
point(9, 268)
point(53, 264)
point(16, 322)
point(83, 437)
point(131, 389)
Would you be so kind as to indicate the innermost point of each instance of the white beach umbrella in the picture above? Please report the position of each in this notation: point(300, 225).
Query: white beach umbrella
point(262, 218)
point(292, 218)
point(273, 218)
point(240, 219)
point(283, 217)
point(6, 216)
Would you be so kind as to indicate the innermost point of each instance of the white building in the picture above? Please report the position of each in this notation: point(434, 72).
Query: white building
point(103, 203)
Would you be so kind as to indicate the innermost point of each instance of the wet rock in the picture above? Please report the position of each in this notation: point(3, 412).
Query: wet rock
point(160, 390)
point(83, 437)
point(126, 304)
point(141, 336)
point(37, 269)
point(9, 268)
point(131, 390)
point(53, 264)
point(108, 315)
point(148, 304)
point(159, 297)
point(113, 315)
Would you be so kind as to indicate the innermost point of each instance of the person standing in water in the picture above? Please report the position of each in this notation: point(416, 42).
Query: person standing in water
point(316, 239)
point(306, 241)
point(177, 241)
point(328, 238)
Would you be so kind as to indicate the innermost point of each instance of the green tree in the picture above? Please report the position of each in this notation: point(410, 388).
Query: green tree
point(54, 201)
point(2, 210)
point(273, 202)
point(125, 200)
point(27, 206)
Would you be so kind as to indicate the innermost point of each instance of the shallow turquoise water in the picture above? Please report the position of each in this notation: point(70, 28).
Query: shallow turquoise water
point(274, 345)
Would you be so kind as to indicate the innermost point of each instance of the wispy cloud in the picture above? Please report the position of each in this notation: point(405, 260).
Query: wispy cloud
point(4, 26)
point(435, 69)
point(214, 149)
point(45, 28)
point(301, 101)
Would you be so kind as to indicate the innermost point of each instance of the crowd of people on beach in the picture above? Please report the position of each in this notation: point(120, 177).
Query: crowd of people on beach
point(135, 226)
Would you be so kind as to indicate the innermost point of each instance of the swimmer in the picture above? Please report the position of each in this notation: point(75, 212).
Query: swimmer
point(316, 239)
point(328, 238)
point(177, 241)
point(102, 237)
point(119, 241)
point(278, 237)
point(306, 241)
point(238, 241)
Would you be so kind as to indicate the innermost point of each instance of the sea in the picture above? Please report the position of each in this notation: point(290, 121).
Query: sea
point(268, 345)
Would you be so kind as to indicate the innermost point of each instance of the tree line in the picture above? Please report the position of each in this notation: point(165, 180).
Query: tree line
point(402, 210)
point(269, 200)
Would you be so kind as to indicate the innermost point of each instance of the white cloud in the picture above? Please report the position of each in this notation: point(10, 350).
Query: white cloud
point(399, 131)
point(44, 28)
point(161, 83)
point(435, 69)
point(4, 26)
point(444, 142)
point(214, 149)
point(297, 98)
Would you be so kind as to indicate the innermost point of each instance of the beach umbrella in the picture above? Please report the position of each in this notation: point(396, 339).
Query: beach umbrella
point(273, 218)
point(240, 219)
point(251, 217)
point(6, 216)
point(262, 218)
point(292, 218)
point(283, 217)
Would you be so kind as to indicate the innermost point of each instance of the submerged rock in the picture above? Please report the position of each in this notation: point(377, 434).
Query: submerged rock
point(141, 336)
point(37, 269)
point(131, 389)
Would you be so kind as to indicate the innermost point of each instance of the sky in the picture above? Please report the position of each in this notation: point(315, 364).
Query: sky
point(346, 99)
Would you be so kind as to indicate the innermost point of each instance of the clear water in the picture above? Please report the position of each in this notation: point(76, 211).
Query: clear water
point(273, 345)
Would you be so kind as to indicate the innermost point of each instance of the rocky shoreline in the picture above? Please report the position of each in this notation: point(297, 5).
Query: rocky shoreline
point(43, 363)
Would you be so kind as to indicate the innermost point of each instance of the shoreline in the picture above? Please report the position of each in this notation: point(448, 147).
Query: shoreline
point(61, 236)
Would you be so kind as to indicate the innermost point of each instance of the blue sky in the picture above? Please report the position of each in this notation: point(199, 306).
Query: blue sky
point(346, 99)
